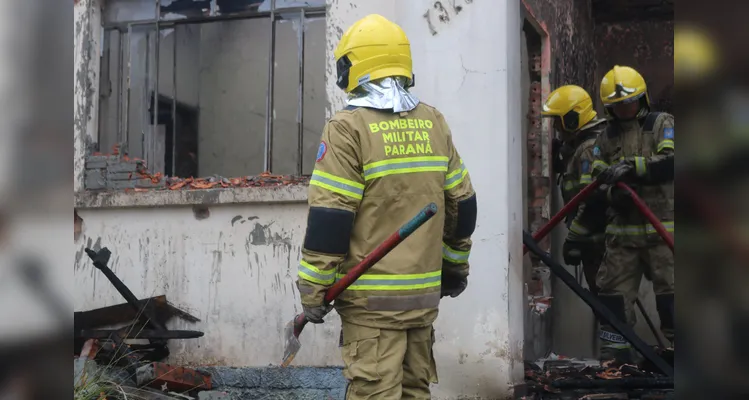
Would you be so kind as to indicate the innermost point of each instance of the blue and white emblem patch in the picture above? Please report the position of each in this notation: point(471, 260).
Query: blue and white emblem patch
point(596, 151)
point(668, 133)
point(321, 151)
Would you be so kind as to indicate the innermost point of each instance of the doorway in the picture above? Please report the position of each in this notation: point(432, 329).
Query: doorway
point(536, 184)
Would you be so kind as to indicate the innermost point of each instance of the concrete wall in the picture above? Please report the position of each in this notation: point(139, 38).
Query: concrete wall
point(648, 47)
point(235, 269)
point(570, 26)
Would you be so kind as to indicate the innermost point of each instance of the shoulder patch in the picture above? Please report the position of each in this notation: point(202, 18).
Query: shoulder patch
point(668, 133)
point(321, 151)
point(586, 167)
point(596, 151)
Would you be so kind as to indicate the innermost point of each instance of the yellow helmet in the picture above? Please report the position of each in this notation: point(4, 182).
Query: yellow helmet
point(372, 48)
point(695, 55)
point(624, 85)
point(572, 104)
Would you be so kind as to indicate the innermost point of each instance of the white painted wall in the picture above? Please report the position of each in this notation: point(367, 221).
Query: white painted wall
point(237, 278)
point(243, 290)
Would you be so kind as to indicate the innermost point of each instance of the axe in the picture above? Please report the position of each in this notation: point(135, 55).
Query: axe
point(295, 326)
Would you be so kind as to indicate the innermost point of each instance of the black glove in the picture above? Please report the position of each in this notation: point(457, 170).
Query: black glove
point(617, 172)
point(316, 314)
point(620, 199)
point(659, 172)
point(572, 251)
point(452, 285)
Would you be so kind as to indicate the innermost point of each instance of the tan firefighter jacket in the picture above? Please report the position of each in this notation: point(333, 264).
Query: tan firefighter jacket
point(590, 216)
point(646, 141)
point(375, 170)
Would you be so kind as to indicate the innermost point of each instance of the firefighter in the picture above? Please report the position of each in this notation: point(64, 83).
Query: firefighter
point(578, 125)
point(380, 161)
point(637, 148)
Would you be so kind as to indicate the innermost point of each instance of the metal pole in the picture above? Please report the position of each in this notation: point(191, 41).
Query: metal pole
point(650, 323)
point(599, 308)
point(120, 77)
point(174, 103)
point(127, 76)
point(155, 126)
point(309, 11)
point(143, 114)
point(269, 99)
point(300, 110)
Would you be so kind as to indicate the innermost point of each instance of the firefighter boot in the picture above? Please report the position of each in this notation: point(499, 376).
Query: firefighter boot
point(664, 303)
point(612, 345)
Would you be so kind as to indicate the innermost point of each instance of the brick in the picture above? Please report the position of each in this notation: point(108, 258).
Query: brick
point(215, 395)
point(96, 164)
point(292, 378)
point(265, 394)
point(95, 180)
point(119, 185)
point(229, 377)
point(300, 394)
point(158, 374)
point(121, 176)
point(148, 184)
point(337, 394)
point(114, 160)
point(123, 167)
point(101, 158)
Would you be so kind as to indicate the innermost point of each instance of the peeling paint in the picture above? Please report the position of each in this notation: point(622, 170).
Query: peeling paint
point(201, 212)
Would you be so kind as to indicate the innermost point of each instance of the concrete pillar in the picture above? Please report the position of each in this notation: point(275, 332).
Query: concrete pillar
point(467, 64)
point(87, 52)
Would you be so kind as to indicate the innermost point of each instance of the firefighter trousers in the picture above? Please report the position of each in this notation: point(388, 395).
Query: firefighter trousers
point(619, 284)
point(387, 364)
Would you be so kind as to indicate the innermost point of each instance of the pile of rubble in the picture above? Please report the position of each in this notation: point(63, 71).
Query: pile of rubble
point(561, 378)
point(117, 171)
point(110, 365)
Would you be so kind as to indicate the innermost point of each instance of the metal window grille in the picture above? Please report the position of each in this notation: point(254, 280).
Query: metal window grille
point(117, 45)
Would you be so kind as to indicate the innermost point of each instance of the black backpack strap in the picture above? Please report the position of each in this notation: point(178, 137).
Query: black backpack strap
point(585, 135)
point(650, 121)
point(611, 130)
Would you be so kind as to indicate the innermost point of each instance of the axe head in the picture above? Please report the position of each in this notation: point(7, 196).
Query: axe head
point(291, 338)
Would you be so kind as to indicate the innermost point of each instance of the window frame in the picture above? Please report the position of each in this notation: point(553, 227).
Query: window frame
point(91, 198)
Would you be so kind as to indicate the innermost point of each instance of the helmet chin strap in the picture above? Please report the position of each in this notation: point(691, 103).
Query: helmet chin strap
point(641, 113)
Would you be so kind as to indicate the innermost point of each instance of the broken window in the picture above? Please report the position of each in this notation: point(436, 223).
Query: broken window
point(187, 85)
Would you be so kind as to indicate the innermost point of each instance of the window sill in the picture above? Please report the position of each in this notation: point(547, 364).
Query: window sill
point(296, 193)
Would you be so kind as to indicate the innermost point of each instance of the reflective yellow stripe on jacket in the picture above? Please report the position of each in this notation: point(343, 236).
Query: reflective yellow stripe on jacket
point(454, 256)
point(586, 179)
point(634, 230)
point(337, 184)
point(665, 144)
point(578, 228)
point(640, 166)
point(455, 177)
point(599, 166)
point(311, 273)
point(405, 166)
point(396, 282)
